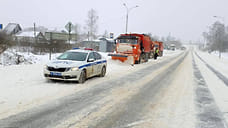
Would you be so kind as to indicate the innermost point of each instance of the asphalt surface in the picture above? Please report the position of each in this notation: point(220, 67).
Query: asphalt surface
point(51, 114)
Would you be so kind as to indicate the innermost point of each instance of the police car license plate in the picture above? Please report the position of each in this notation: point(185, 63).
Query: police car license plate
point(55, 74)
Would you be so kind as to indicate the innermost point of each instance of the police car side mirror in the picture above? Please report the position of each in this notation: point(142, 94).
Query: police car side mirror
point(91, 60)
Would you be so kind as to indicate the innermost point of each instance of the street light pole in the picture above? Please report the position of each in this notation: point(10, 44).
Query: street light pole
point(128, 10)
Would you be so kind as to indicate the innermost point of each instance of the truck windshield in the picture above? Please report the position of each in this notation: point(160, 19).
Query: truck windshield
point(128, 41)
point(75, 56)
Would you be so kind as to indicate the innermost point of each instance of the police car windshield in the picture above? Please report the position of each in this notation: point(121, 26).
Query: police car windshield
point(75, 56)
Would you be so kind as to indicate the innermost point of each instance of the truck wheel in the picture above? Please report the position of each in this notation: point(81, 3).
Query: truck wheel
point(161, 54)
point(150, 55)
point(146, 57)
point(103, 71)
point(82, 77)
point(138, 61)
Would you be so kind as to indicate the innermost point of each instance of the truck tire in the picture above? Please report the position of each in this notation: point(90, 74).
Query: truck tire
point(161, 53)
point(138, 61)
point(150, 55)
point(146, 57)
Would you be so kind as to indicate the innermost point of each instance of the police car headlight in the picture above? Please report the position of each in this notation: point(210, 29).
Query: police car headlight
point(74, 69)
point(45, 67)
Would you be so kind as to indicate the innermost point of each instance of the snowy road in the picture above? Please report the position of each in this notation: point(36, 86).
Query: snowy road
point(171, 92)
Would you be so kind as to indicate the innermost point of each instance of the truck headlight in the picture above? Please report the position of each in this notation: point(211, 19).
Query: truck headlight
point(74, 69)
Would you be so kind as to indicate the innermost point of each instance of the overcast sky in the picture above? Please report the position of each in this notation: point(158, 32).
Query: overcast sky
point(184, 19)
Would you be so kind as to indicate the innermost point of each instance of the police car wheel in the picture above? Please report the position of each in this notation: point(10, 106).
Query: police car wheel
point(103, 71)
point(82, 77)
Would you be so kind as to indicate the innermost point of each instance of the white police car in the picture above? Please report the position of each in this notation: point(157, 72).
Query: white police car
point(76, 65)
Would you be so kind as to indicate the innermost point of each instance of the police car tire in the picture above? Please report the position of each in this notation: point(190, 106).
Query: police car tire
point(103, 71)
point(82, 77)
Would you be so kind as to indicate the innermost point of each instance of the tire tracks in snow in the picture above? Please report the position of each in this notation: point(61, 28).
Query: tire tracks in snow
point(208, 113)
point(130, 112)
point(83, 103)
point(217, 73)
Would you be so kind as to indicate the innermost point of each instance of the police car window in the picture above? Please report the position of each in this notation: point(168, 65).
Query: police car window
point(97, 56)
point(75, 56)
point(91, 56)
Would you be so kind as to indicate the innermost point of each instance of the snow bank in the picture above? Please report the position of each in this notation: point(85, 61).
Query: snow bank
point(12, 57)
point(224, 55)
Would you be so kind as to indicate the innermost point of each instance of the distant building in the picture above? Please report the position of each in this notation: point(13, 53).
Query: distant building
point(12, 29)
point(106, 45)
point(61, 36)
point(27, 36)
point(102, 44)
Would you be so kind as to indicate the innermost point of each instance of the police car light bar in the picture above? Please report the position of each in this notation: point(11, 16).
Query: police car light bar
point(90, 49)
point(75, 48)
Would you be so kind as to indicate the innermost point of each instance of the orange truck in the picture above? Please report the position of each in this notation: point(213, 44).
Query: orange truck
point(159, 45)
point(137, 47)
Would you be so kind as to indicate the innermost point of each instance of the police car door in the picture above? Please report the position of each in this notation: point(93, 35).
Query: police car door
point(98, 66)
point(91, 63)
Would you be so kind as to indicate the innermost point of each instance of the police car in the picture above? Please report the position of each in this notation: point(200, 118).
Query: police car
point(76, 65)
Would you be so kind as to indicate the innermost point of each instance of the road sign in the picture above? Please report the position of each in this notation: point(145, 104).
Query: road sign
point(111, 35)
point(1, 26)
point(69, 27)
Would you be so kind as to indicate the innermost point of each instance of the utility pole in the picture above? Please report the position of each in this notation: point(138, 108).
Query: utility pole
point(88, 35)
point(128, 10)
point(34, 28)
point(70, 27)
point(50, 46)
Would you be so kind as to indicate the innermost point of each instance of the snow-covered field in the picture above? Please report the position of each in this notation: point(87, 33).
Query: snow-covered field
point(23, 86)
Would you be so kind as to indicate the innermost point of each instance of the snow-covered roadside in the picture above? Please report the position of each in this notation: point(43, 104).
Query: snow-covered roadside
point(216, 86)
point(11, 57)
point(214, 61)
point(175, 104)
point(224, 55)
point(23, 86)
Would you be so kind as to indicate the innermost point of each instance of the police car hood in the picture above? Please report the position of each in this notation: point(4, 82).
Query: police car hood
point(65, 63)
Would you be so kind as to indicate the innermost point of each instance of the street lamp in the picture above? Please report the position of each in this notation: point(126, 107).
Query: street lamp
point(128, 10)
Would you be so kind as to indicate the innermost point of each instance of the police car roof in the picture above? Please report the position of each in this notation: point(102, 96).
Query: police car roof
point(80, 50)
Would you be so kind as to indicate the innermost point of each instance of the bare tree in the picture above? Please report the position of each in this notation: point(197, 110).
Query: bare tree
point(216, 37)
point(91, 24)
point(105, 35)
point(5, 42)
point(77, 30)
